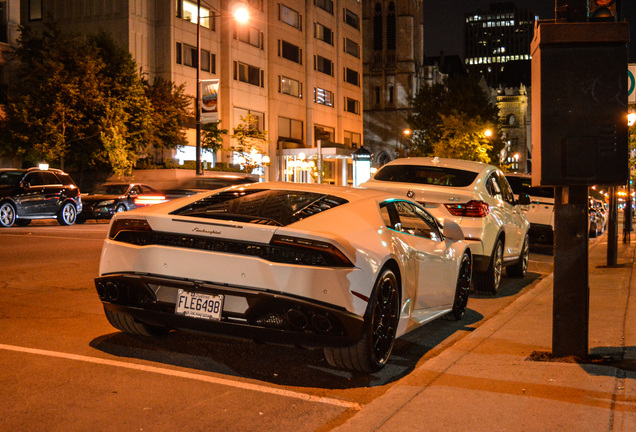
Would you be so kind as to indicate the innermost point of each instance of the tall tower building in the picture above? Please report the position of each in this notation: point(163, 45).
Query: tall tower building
point(296, 66)
point(393, 55)
point(497, 44)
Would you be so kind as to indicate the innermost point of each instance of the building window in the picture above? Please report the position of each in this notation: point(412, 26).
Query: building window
point(376, 93)
point(325, 133)
point(179, 53)
point(208, 61)
point(352, 47)
point(258, 118)
point(352, 76)
point(290, 87)
point(290, 129)
point(390, 28)
point(324, 65)
point(352, 19)
point(290, 16)
point(511, 120)
point(187, 10)
point(352, 139)
point(249, 35)
point(290, 52)
point(323, 33)
point(391, 92)
point(189, 56)
point(248, 74)
point(326, 5)
point(377, 28)
point(323, 97)
point(35, 10)
point(352, 105)
point(256, 4)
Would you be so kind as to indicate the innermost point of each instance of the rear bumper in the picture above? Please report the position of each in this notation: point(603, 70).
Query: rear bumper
point(247, 313)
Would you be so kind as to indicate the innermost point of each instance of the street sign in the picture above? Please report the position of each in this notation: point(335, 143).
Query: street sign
point(631, 83)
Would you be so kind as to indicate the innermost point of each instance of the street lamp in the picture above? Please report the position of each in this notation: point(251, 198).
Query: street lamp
point(241, 15)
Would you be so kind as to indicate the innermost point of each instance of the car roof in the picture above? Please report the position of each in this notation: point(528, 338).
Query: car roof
point(444, 162)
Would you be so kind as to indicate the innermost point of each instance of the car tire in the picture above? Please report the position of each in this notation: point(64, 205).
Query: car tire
point(462, 289)
point(519, 269)
point(7, 215)
point(67, 214)
point(120, 208)
point(373, 350)
point(488, 282)
point(22, 222)
point(128, 324)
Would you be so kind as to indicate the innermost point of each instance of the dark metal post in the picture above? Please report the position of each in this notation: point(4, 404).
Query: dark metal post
point(571, 286)
point(612, 229)
point(197, 107)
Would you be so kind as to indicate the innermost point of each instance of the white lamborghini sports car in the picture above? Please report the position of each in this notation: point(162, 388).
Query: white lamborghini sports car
point(343, 269)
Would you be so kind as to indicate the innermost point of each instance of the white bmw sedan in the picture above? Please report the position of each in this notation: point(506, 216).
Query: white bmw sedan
point(343, 269)
point(476, 196)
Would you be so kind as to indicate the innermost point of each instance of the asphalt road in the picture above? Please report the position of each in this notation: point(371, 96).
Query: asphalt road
point(63, 367)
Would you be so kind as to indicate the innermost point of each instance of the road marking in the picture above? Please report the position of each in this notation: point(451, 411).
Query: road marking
point(187, 375)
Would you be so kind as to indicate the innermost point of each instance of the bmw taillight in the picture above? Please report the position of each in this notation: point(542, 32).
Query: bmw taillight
point(146, 200)
point(469, 209)
point(311, 252)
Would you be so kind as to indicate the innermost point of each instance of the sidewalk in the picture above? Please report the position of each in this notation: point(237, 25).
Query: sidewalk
point(487, 382)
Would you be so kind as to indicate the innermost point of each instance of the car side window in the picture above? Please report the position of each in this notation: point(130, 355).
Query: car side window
point(135, 190)
point(493, 188)
point(505, 188)
point(405, 217)
point(34, 179)
point(49, 178)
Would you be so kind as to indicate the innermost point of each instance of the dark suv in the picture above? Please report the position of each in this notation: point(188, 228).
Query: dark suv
point(27, 194)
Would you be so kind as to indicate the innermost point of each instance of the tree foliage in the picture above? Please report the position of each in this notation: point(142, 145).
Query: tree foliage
point(212, 136)
point(81, 102)
point(458, 110)
point(250, 141)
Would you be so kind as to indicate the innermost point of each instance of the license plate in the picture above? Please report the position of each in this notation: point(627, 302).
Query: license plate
point(198, 305)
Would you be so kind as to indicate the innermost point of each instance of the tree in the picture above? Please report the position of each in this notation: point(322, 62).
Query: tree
point(250, 142)
point(170, 113)
point(459, 100)
point(212, 136)
point(463, 139)
point(55, 101)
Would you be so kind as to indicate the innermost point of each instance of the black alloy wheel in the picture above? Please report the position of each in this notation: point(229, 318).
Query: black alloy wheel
point(462, 289)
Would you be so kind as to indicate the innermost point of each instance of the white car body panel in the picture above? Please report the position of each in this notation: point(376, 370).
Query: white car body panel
point(428, 269)
point(481, 233)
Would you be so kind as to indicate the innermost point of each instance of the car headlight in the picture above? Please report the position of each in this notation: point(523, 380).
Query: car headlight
point(106, 203)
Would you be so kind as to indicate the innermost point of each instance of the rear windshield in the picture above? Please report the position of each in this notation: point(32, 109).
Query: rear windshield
point(261, 206)
point(430, 175)
point(111, 189)
point(521, 185)
point(65, 179)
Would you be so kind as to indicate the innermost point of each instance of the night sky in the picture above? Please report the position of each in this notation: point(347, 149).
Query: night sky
point(444, 22)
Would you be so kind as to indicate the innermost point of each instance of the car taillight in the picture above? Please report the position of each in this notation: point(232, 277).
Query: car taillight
point(470, 209)
point(312, 252)
point(123, 224)
point(147, 200)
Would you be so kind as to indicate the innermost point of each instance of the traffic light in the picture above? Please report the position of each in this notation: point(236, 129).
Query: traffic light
point(602, 10)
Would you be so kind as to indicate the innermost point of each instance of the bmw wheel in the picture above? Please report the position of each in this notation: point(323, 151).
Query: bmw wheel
point(120, 208)
point(373, 350)
point(461, 291)
point(488, 282)
point(67, 215)
point(519, 269)
point(7, 214)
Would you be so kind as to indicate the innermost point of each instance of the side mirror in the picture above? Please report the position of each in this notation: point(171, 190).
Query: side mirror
point(25, 185)
point(524, 199)
point(453, 231)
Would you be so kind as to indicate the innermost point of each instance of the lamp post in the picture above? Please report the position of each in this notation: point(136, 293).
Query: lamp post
point(240, 14)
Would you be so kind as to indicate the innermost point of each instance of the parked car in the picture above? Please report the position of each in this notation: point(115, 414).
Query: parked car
point(34, 193)
point(110, 198)
point(208, 181)
point(540, 211)
point(343, 269)
point(478, 197)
